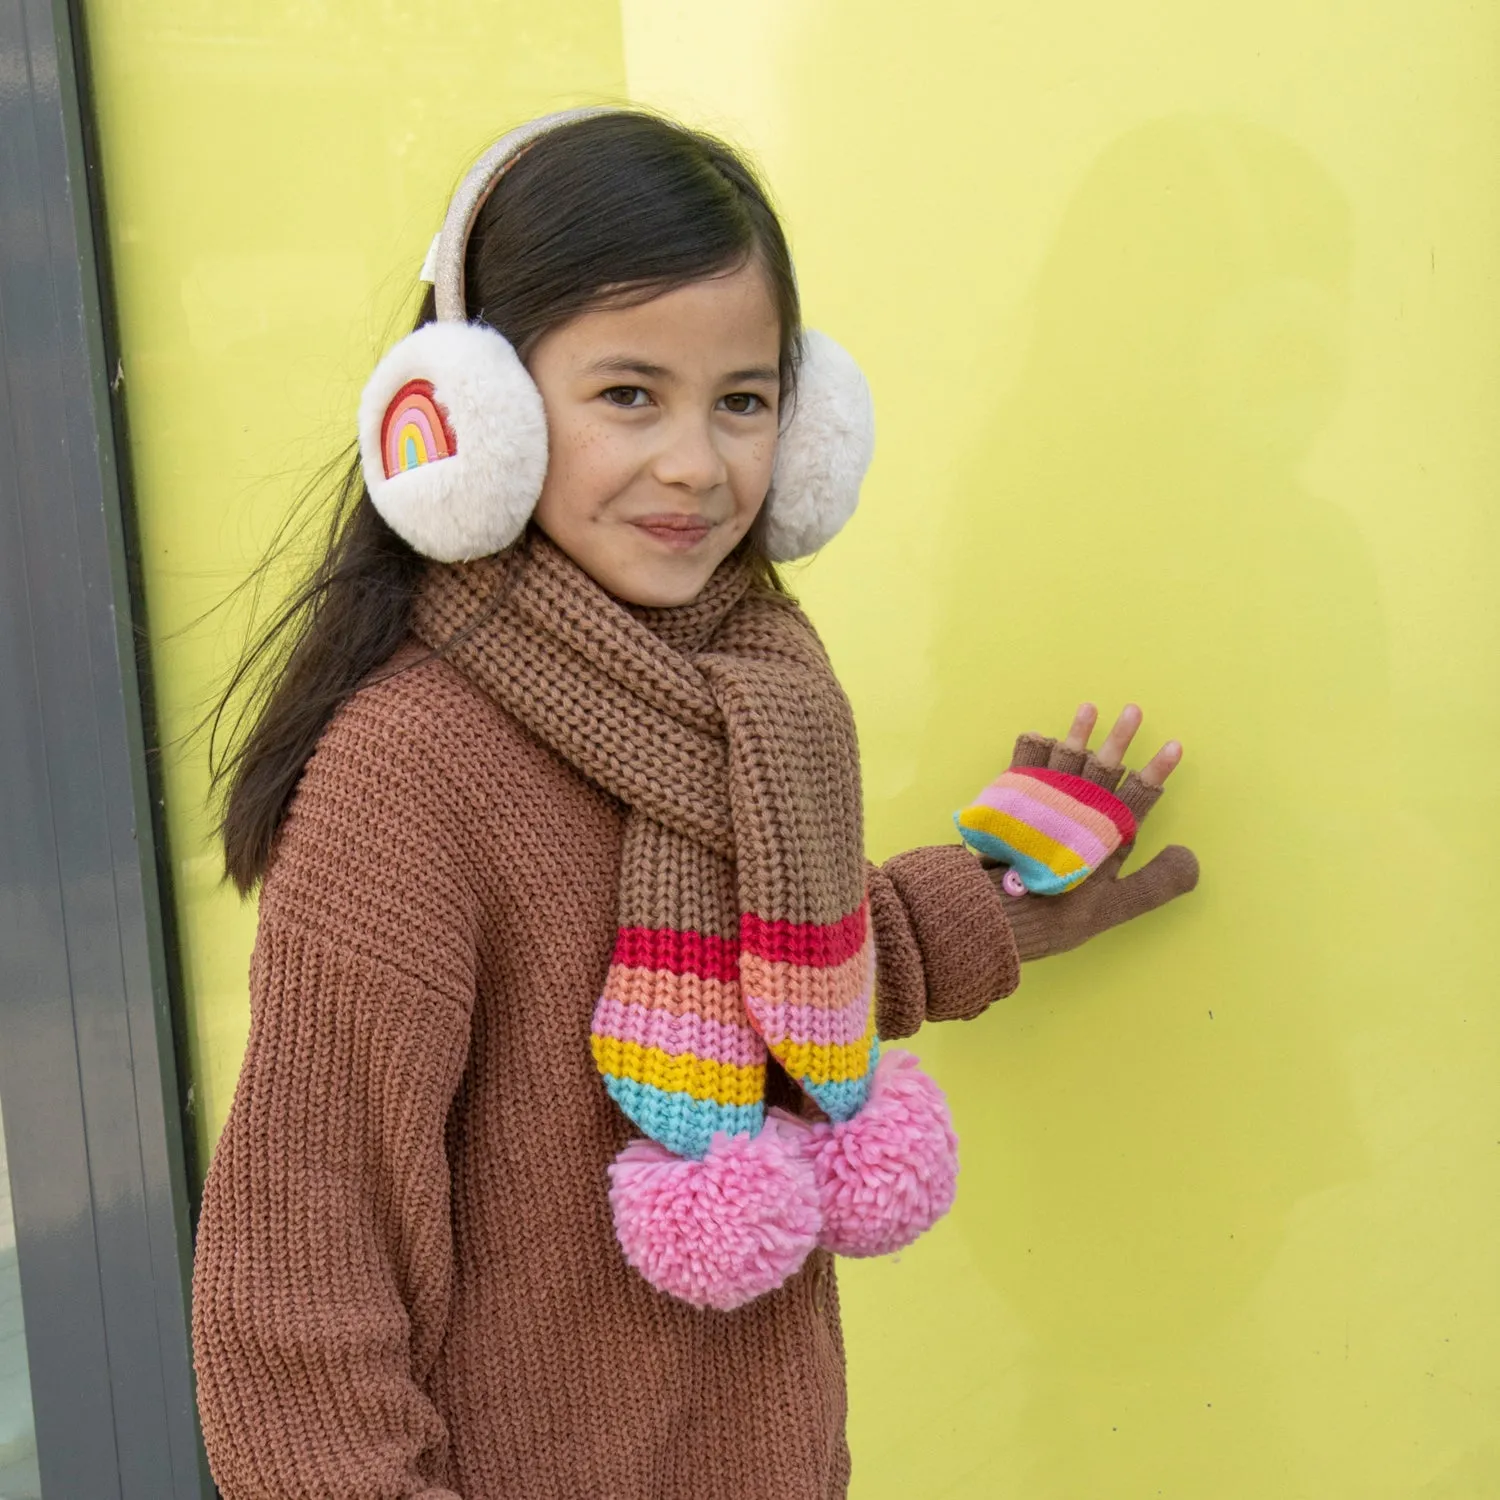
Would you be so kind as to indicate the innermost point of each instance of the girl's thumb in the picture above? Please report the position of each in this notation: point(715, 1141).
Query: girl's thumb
point(1173, 873)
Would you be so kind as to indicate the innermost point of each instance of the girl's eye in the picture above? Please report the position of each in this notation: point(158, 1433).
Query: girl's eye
point(740, 403)
point(746, 396)
point(629, 391)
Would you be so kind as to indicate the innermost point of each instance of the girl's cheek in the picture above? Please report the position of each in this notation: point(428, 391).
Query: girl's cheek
point(613, 462)
point(587, 447)
point(764, 460)
point(755, 450)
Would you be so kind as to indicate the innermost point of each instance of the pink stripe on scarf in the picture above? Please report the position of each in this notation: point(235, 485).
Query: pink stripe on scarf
point(785, 1023)
point(714, 1040)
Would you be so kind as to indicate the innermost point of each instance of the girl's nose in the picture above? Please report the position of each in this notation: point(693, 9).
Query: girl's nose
point(690, 455)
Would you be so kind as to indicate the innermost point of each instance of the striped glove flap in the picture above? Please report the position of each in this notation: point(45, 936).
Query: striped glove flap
point(1053, 828)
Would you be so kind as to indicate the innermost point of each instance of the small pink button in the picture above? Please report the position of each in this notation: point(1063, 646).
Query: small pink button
point(1012, 884)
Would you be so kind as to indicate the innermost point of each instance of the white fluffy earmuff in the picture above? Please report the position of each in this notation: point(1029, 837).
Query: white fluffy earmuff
point(453, 432)
point(453, 439)
point(823, 451)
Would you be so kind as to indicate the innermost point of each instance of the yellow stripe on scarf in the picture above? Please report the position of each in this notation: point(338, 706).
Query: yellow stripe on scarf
point(685, 1072)
point(837, 1063)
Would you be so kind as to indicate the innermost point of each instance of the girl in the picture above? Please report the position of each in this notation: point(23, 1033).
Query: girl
point(564, 1081)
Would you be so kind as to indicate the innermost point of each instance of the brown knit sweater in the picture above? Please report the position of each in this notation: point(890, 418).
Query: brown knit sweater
point(407, 1281)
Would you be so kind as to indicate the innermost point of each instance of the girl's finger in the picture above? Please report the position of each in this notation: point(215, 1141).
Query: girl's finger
point(1077, 738)
point(1162, 764)
point(1173, 873)
point(1112, 751)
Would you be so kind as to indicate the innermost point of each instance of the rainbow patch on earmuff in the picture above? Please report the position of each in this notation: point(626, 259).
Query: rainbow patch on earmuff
point(415, 430)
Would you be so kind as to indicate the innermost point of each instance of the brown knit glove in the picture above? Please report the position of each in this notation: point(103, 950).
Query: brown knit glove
point(1044, 925)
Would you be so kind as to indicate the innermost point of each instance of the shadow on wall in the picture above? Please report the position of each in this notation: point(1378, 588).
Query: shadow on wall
point(1143, 476)
point(1187, 348)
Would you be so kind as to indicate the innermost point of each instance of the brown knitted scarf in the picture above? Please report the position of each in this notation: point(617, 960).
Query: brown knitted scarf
point(743, 926)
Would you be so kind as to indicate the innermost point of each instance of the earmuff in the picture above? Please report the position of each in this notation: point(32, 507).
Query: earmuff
point(453, 434)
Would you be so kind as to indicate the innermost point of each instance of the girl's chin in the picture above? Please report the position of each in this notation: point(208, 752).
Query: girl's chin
point(654, 583)
point(656, 592)
point(637, 569)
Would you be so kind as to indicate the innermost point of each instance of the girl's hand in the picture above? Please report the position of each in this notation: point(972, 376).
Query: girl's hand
point(1044, 925)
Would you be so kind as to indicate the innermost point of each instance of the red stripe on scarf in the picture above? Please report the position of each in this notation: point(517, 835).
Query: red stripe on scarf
point(678, 952)
point(815, 945)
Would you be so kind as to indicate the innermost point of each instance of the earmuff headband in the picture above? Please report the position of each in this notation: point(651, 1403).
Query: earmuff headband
point(478, 184)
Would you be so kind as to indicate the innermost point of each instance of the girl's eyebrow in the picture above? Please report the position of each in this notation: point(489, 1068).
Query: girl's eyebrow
point(628, 364)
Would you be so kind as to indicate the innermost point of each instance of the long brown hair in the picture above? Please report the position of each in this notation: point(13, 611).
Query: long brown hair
point(612, 208)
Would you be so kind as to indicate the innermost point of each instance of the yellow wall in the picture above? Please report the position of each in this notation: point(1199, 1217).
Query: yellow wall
point(274, 175)
point(1184, 332)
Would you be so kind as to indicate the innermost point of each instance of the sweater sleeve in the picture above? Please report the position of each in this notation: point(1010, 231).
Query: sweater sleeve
point(323, 1263)
point(943, 948)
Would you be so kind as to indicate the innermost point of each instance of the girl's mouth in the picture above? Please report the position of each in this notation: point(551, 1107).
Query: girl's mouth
point(674, 531)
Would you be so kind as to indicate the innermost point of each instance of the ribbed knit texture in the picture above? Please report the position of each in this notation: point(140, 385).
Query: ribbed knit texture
point(743, 923)
point(1054, 828)
point(407, 1281)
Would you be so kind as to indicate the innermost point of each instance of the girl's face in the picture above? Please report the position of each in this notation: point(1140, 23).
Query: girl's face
point(661, 430)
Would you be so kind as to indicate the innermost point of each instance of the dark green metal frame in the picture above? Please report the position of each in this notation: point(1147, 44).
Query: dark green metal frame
point(88, 1077)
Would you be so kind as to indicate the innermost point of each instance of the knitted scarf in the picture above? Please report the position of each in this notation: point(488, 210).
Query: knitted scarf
point(743, 922)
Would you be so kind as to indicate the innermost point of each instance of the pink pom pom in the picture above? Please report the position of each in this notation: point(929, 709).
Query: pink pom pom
point(890, 1172)
point(720, 1231)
